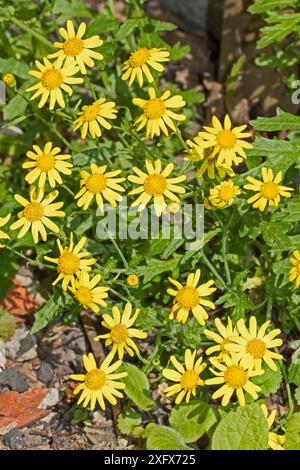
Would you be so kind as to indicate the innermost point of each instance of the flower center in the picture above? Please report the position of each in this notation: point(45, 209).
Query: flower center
point(84, 296)
point(46, 162)
point(132, 280)
point(34, 211)
point(119, 333)
point(90, 113)
point(155, 184)
point(189, 379)
point(154, 109)
point(235, 376)
point(226, 139)
point(95, 379)
point(139, 57)
point(96, 183)
point(226, 193)
point(188, 297)
point(73, 46)
point(257, 348)
point(269, 190)
point(68, 263)
point(52, 79)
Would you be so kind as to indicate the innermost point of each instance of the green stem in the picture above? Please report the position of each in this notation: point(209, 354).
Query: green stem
point(119, 251)
point(54, 130)
point(118, 295)
point(224, 248)
point(68, 189)
point(269, 308)
point(179, 135)
point(29, 260)
point(212, 269)
point(31, 31)
point(288, 390)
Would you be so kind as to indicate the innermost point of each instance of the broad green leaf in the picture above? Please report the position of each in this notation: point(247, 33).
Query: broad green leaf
point(262, 6)
point(53, 307)
point(17, 67)
point(243, 429)
point(192, 420)
point(101, 25)
point(15, 108)
point(269, 382)
point(7, 325)
point(282, 122)
point(128, 420)
point(155, 267)
point(293, 433)
point(275, 236)
point(164, 438)
point(294, 374)
point(137, 387)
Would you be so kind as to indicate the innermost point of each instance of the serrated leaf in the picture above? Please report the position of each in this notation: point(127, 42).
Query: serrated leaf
point(269, 382)
point(127, 421)
point(282, 122)
point(7, 325)
point(192, 420)
point(53, 307)
point(155, 267)
point(137, 387)
point(293, 433)
point(274, 235)
point(262, 6)
point(243, 429)
point(164, 438)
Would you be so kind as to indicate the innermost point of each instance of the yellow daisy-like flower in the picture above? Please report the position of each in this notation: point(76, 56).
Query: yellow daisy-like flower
point(226, 333)
point(253, 346)
point(223, 194)
point(3, 235)
point(139, 62)
point(268, 190)
point(88, 293)
point(275, 441)
point(190, 298)
point(9, 79)
point(186, 376)
point(52, 78)
point(121, 333)
point(100, 185)
point(99, 383)
point(294, 274)
point(209, 158)
point(235, 377)
point(70, 262)
point(228, 142)
point(132, 280)
point(94, 114)
point(36, 214)
point(47, 164)
point(156, 185)
point(74, 48)
point(156, 113)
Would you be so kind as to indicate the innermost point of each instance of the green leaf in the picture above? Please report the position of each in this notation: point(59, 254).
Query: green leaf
point(293, 433)
point(137, 387)
point(53, 307)
point(7, 325)
point(101, 25)
point(262, 6)
point(294, 374)
point(127, 421)
point(243, 429)
point(14, 66)
point(164, 438)
point(275, 236)
point(297, 395)
point(15, 108)
point(155, 267)
point(192, 420)
point(282, 122)
point(269, 382)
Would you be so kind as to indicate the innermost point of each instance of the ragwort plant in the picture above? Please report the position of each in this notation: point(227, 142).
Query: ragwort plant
point(91, 116)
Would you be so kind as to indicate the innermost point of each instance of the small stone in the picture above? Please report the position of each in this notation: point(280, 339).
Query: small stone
point(45, 373)
point(13, 438)
point(51, 399)
point(13, 379)
point(21, 409)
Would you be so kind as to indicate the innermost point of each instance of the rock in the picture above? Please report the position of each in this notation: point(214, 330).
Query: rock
point(45, 373)
point(21, 409)
point(13, 439)
point(22, 346)
point(103, 437)
point(74, 441)
point(34, 441)
point(13, 379)
point(51, 399)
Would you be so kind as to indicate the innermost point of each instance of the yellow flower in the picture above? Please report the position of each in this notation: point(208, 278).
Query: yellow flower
point(3, 235)
point(223, 194)
point(9, 79)
point(275, 440)
point(100, 185)
point(52, 78)
point(47, 164)
point(268, 190)
point(121, 333)
point(70, 262)
point(139, 63)
point(190, 298)
point(253, 346)
point(156, 113)
point(36, 213)
point(209, 157)
point(186, 376)
point(294, 274)
point(132, 280)
point(228, 142)
point(156, 185)
point(99, 383)
point(74, 48)
point(88, 294)
point(235, 377)
point(226, 333)
point(94, 114)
